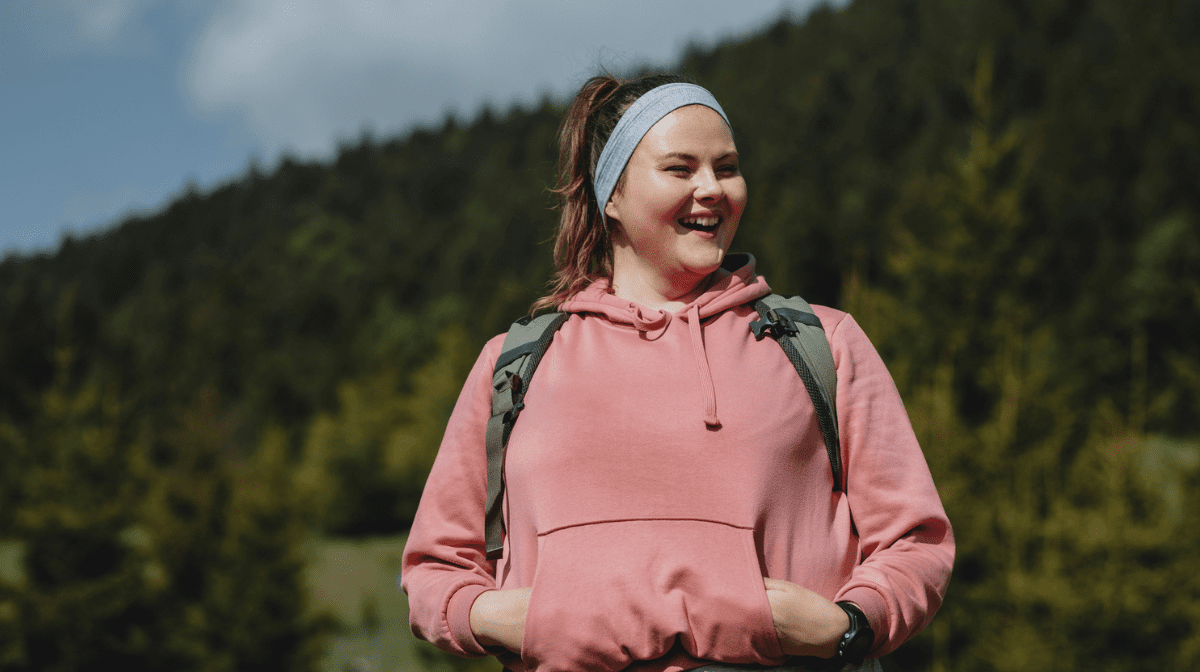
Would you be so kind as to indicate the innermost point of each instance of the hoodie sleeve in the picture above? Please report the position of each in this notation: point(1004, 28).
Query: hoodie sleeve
point(905, 537)
point(445, 566)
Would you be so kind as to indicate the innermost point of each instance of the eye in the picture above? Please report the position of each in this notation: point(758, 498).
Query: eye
point(683, 170)
point(728, 169)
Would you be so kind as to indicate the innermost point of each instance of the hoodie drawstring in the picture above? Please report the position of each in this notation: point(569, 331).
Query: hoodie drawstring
point(733, 285)
point(700, 356)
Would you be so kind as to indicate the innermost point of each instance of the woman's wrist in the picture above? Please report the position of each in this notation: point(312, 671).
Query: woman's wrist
point(828, 631)
point(807, 624)
point(481, 618)
point(498, 618)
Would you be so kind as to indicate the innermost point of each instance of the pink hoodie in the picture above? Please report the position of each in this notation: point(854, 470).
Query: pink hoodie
point(664, 464)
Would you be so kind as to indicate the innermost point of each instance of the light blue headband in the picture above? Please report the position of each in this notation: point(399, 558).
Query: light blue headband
point(636, 122)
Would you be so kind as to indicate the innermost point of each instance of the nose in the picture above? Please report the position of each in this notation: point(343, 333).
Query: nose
point(708, 185)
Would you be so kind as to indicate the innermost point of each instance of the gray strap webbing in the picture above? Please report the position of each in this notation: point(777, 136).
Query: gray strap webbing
point(524, 345)
point(792, 323)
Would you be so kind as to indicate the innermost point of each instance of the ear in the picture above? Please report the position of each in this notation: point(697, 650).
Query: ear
point(613, 209)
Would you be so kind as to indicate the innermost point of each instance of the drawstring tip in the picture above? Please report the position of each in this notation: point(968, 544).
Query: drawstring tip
point(712, 422)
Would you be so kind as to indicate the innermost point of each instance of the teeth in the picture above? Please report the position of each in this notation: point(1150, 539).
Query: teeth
point(702, 222)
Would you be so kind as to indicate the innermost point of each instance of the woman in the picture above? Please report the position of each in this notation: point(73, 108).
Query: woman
point(670, 504)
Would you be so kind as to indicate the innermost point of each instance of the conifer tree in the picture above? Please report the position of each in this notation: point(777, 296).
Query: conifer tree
point(186, 560)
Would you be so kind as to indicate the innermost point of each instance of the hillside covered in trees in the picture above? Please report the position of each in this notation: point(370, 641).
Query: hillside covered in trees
point(1003, 192)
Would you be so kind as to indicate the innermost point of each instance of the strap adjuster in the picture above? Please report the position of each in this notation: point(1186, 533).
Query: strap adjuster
point(774, 323)
point(518, 396)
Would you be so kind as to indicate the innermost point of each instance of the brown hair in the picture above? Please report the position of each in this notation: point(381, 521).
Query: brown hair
point(583, 244)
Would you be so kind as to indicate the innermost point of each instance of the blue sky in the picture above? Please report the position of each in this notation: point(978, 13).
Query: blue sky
point(113, 106)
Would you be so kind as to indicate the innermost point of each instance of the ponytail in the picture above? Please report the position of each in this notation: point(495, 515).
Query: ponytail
point(583, 244)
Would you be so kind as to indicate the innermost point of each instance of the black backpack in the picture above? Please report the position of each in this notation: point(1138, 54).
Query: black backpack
point(790, 321)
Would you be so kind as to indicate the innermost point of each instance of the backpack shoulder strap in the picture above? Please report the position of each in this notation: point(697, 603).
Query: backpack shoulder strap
point(524, 345)
point(793, 324)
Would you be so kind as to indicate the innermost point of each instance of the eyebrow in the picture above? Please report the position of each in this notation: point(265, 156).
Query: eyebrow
point(690, 157)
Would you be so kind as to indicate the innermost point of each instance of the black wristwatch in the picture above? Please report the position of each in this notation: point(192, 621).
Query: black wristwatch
point(858, 640)
point(852, 648)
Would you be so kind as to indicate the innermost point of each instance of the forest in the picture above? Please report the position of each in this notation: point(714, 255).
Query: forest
point(1002, 192)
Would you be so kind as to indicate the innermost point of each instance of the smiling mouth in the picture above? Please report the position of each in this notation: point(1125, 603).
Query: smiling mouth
point(705, 224)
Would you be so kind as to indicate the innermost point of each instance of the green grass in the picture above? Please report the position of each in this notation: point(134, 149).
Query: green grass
point(11, 553)
point(355, 581)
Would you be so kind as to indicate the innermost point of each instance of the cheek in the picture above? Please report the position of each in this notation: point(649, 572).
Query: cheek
point(737, 196)
point(667, 197)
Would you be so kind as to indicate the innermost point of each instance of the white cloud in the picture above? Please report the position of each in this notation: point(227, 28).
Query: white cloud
point(68, 27)
point(300, 73)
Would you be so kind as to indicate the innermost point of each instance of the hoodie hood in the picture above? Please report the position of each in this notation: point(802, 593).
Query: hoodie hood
point(735, 283)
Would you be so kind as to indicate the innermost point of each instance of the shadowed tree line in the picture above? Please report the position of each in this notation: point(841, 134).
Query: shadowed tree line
point(1001, 191)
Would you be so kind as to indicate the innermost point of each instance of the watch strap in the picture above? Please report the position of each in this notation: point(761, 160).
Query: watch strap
point(852, 648)
point(859, 638)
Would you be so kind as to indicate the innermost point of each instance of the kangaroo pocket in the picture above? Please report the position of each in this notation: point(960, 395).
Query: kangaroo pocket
point(607, 594)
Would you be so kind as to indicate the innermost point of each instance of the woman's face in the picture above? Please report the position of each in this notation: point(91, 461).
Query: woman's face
point(680, 200)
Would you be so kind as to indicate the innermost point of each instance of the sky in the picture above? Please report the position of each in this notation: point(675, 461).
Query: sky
point(113, 107)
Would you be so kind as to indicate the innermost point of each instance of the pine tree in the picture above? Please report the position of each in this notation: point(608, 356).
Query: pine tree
point(185, 560)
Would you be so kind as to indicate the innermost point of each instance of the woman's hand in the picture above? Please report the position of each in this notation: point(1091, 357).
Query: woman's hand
point(807, 624)
point(498, 617)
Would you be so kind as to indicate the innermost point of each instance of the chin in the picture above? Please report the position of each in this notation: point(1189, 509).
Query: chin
point(704, 264)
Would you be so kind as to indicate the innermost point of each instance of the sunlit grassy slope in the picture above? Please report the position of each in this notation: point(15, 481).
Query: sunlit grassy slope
point(355, 581)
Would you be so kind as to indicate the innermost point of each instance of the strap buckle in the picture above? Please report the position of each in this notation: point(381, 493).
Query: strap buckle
point(774, 323)
point(517, 395)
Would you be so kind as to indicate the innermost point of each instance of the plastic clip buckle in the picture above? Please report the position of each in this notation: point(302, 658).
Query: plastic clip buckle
point(775, 324)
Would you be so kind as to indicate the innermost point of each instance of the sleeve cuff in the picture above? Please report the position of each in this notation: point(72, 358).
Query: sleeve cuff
point(873, 607)
point(458, 617)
